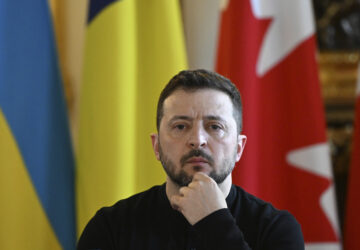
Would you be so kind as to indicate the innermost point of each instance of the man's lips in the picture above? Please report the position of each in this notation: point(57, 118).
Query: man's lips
point(197, 160)
point(196, 157)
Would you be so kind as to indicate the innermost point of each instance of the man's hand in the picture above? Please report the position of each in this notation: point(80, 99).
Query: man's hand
point(199, 199)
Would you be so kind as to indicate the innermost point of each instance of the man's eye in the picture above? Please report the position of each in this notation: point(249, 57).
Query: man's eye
point(215, 127)
point(180, 126)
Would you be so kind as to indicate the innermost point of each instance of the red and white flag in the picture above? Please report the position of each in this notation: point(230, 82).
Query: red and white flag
point(267, 47)
point(352, 218)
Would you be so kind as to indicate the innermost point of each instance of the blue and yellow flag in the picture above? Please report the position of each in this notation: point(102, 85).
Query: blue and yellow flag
point(36, 161)
point(133, 48)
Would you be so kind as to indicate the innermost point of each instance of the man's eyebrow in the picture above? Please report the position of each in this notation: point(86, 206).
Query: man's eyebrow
point(214, 118)
point(181, 117)
point(188, 118)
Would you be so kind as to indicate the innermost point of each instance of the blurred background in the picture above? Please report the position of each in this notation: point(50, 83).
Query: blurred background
point(337, 30)
point(114, 57)
point(337, 25)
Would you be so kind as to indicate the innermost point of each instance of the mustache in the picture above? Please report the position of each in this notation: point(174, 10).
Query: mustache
point(196, 153)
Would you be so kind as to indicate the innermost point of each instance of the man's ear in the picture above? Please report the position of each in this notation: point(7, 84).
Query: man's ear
point(155, 144)
point(240, 147)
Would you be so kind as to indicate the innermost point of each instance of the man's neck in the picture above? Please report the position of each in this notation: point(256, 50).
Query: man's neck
point(173, 189)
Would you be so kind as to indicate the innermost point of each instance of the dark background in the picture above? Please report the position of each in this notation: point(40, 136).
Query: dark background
point(338, 40)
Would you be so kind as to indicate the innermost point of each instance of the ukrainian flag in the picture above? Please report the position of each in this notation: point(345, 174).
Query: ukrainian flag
point(36, 161)
point(133, 48)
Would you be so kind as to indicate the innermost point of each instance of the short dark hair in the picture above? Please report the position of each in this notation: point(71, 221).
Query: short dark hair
point(192, 80)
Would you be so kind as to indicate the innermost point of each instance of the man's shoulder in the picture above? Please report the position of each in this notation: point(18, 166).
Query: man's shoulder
point(259, 219)
point(118, 221)
point(248, 199)
point(252, 205)
point(135, 202)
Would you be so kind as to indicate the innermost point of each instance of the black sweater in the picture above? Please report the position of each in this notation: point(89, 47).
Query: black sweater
point(147, 221)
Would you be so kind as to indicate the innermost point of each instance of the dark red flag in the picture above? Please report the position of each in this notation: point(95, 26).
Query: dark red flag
point(267, 48)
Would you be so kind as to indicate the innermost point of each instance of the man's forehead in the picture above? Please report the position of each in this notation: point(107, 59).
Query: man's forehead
point(191, 95)
point(205, 102)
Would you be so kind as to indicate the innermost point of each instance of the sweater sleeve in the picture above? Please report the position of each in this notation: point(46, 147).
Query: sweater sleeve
point(219, 231)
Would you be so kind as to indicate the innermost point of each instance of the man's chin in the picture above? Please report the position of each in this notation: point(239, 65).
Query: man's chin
point(185, 178)
point(192, 169)
point(200, 169)
point(181, 179)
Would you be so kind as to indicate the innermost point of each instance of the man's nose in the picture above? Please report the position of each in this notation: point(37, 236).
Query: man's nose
point(197, 138)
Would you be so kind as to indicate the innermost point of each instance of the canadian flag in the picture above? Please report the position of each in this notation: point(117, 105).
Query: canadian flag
point(267, 47)
point(352, 220)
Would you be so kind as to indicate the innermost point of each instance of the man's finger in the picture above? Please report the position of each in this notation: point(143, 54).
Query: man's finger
point(193, 184)
point(200, 176)
point(183, 191)
point(175, 202)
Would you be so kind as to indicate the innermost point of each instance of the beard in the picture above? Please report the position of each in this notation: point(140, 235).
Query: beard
point(181, 178)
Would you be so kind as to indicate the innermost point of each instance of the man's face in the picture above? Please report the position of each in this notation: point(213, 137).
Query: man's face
point(198, 133)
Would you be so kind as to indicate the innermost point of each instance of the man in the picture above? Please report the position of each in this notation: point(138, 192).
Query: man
point(199, 140)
